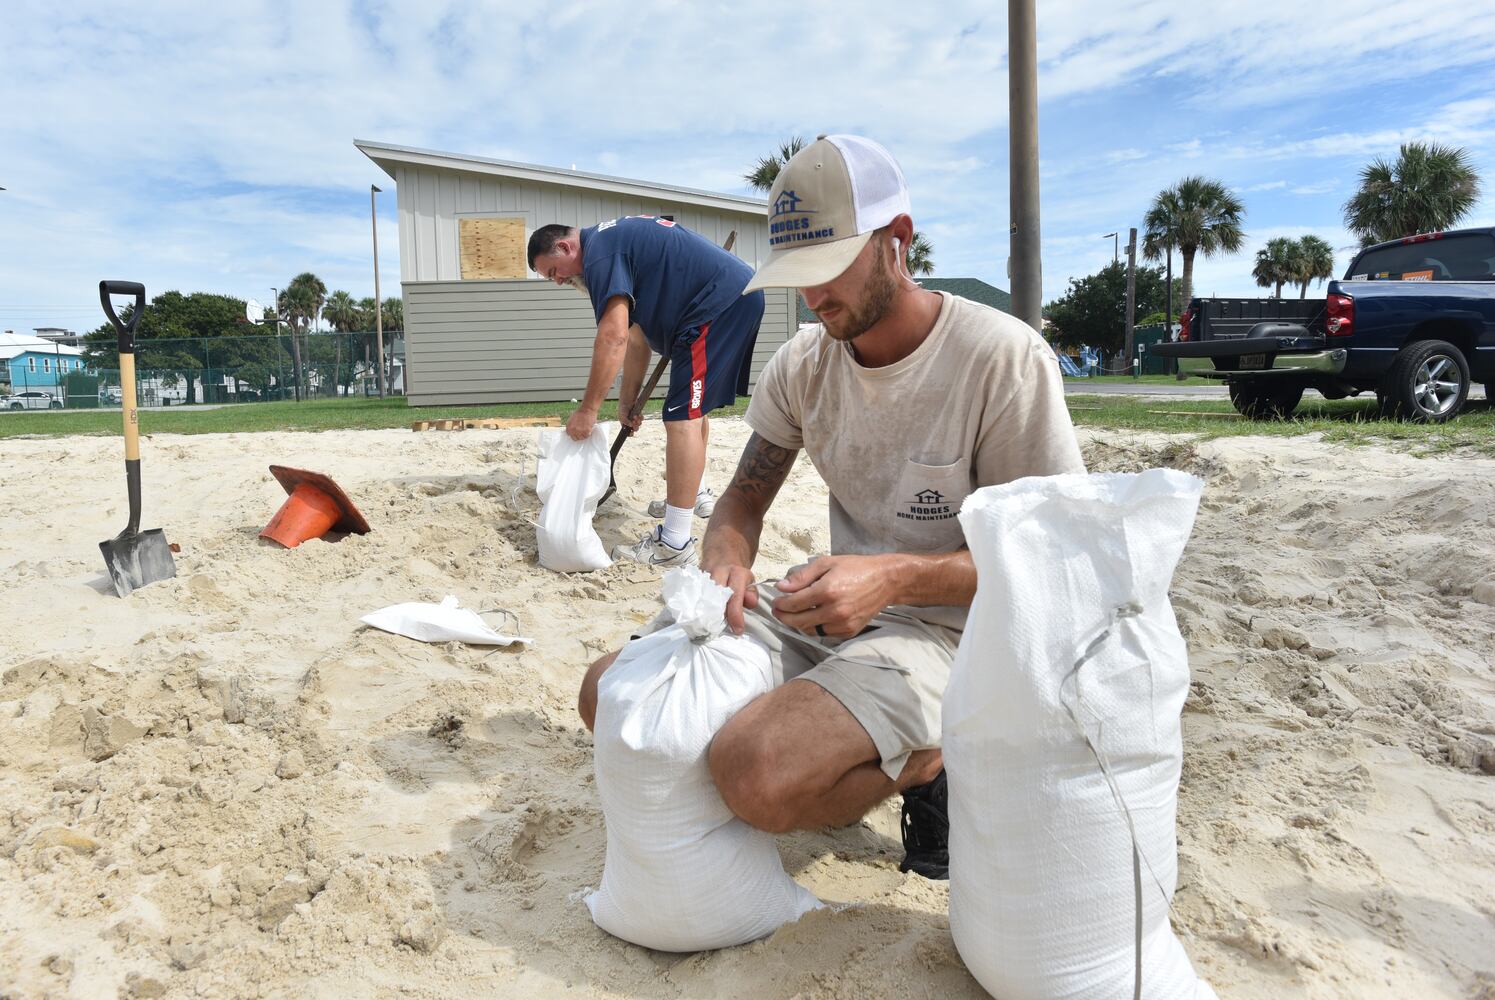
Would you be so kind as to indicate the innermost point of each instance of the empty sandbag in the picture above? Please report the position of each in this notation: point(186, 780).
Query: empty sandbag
point(571, 478)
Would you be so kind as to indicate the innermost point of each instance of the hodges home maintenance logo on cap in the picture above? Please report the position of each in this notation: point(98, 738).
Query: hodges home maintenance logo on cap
point(824, 206)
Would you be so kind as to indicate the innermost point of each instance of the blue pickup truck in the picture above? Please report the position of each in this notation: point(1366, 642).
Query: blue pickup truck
point(1412, 320)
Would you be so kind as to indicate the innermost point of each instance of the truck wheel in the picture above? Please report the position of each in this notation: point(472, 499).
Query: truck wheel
point(54, 405)
point(1428, 382)
point(17, 406)
point(1265, 402)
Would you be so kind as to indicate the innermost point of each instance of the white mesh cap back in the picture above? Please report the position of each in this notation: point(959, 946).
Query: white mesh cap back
point(877, 186)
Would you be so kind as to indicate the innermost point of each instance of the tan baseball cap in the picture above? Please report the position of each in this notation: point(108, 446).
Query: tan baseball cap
point(824, 207)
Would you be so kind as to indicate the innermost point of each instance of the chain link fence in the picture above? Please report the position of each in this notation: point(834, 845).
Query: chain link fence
point(212, 370)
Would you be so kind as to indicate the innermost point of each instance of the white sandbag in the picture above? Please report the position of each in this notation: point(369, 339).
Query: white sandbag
point(442, 622)
point(682, 873)
point(1072, 570)
point(571, 478)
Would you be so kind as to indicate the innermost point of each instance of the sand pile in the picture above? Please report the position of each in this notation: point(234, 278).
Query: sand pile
point(226, 786)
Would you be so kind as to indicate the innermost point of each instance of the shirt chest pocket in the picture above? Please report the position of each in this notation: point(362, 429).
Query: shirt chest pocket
point(926, 505)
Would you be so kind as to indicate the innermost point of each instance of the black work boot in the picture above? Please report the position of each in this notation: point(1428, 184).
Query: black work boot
point(926, 830)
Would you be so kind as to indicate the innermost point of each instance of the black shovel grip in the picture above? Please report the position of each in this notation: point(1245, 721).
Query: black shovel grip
point(126, 330)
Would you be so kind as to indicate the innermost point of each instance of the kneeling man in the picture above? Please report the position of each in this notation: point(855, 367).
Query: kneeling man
point(906, 401)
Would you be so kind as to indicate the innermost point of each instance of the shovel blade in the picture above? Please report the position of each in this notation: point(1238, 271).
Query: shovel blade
point(135, 559)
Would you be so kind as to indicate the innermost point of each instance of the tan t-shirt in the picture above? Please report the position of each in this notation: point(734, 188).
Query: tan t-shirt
point(979, 403)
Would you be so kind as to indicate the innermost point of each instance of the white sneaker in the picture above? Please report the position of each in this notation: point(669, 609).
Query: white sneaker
point(652, 550)
point(705, 504)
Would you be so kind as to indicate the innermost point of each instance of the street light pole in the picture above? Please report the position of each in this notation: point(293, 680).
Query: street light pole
point(1115, 239)
point(1022, 119)
point(1131, 300)
point(378, 302)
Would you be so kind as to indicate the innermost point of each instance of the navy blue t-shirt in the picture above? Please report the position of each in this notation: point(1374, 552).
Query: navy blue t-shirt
point(675, 279)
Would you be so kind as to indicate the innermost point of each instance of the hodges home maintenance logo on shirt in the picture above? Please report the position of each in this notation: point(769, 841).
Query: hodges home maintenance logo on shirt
point(927, 505)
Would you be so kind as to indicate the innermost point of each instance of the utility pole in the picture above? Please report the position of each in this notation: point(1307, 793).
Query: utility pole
point(1131, 299)
point(378, 302)
point(1022, 99)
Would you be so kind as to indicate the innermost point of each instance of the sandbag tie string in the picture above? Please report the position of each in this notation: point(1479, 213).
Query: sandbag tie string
point(1119, 615)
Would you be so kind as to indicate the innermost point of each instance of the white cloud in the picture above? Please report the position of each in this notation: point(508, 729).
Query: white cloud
point(210, 146)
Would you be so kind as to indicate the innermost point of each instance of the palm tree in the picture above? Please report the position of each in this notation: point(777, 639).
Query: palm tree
point(919, 257)
point(1196, 214)
point(1429, 188)
point(394, 314)
point(342, 312)
point(1315, 263)
point(309, 295)
point(766, 171)
point(1277, 263)
point(394, 322)
point(300, 302)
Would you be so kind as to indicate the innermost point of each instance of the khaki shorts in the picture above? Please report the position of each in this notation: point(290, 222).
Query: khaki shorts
point(891, 677)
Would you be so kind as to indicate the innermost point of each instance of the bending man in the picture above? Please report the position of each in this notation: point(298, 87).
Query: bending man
point(659, 288)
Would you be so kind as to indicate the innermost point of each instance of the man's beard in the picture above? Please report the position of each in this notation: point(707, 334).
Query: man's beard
point(877, 298)
point(578, 282)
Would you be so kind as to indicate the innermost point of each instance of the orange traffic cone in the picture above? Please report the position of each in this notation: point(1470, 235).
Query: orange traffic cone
point(315, 506)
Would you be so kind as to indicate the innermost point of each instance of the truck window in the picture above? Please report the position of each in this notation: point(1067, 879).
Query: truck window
point(1470, 257)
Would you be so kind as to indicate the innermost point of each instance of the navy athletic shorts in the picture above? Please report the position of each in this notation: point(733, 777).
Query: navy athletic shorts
point(709, 367)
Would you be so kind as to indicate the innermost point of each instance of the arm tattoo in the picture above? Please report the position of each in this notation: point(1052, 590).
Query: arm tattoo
point(762, 470)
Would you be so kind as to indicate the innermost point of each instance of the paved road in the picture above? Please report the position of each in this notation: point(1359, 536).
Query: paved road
point(1185, 390)
point(195, 407)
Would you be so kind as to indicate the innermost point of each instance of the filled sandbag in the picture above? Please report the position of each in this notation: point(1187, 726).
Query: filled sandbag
point(571, 478)
point(682, 873)
point(1062, 739)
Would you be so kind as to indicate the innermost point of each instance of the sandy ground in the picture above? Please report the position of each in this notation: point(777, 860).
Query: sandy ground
point(226, 786)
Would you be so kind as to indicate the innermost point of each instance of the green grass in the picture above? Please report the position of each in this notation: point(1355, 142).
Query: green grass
point(1127, 380)
point(313, 415)
point(1347, 421)
point(1351, 421)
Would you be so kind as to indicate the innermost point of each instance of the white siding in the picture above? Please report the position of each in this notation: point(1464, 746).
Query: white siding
point(520, 341)
point(431, 200)
point(501, 341)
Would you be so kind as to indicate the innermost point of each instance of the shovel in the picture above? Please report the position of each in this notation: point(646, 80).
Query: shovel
point(625, 432)
point(134, 558)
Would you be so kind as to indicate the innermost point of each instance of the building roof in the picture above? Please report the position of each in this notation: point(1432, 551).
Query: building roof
point(970, 288)
point(386, 156)
point(13, 345)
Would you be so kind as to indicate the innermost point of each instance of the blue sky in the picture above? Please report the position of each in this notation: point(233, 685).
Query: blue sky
point(212, 150)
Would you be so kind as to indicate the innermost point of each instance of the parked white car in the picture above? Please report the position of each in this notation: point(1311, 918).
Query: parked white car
point(31, 401)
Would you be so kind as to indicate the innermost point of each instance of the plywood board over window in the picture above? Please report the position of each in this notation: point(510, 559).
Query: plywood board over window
point(491, 248)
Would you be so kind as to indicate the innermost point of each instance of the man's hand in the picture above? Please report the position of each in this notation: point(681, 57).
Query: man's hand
point(579, 427)
point(739, 580)
point(633, 421)
point(841, 594)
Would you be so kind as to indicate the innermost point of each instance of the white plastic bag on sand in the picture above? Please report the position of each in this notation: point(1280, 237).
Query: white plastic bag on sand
point(682, 873)
point(1070, 628)
point(571, 478)
point(442, 622)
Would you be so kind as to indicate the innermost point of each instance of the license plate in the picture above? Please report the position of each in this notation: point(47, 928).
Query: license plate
point(1250, 361)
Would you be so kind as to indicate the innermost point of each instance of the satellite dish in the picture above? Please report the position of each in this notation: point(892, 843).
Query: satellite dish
point(254, 312)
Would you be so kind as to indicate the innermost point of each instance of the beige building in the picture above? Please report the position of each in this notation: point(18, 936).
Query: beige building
point(479, 326)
